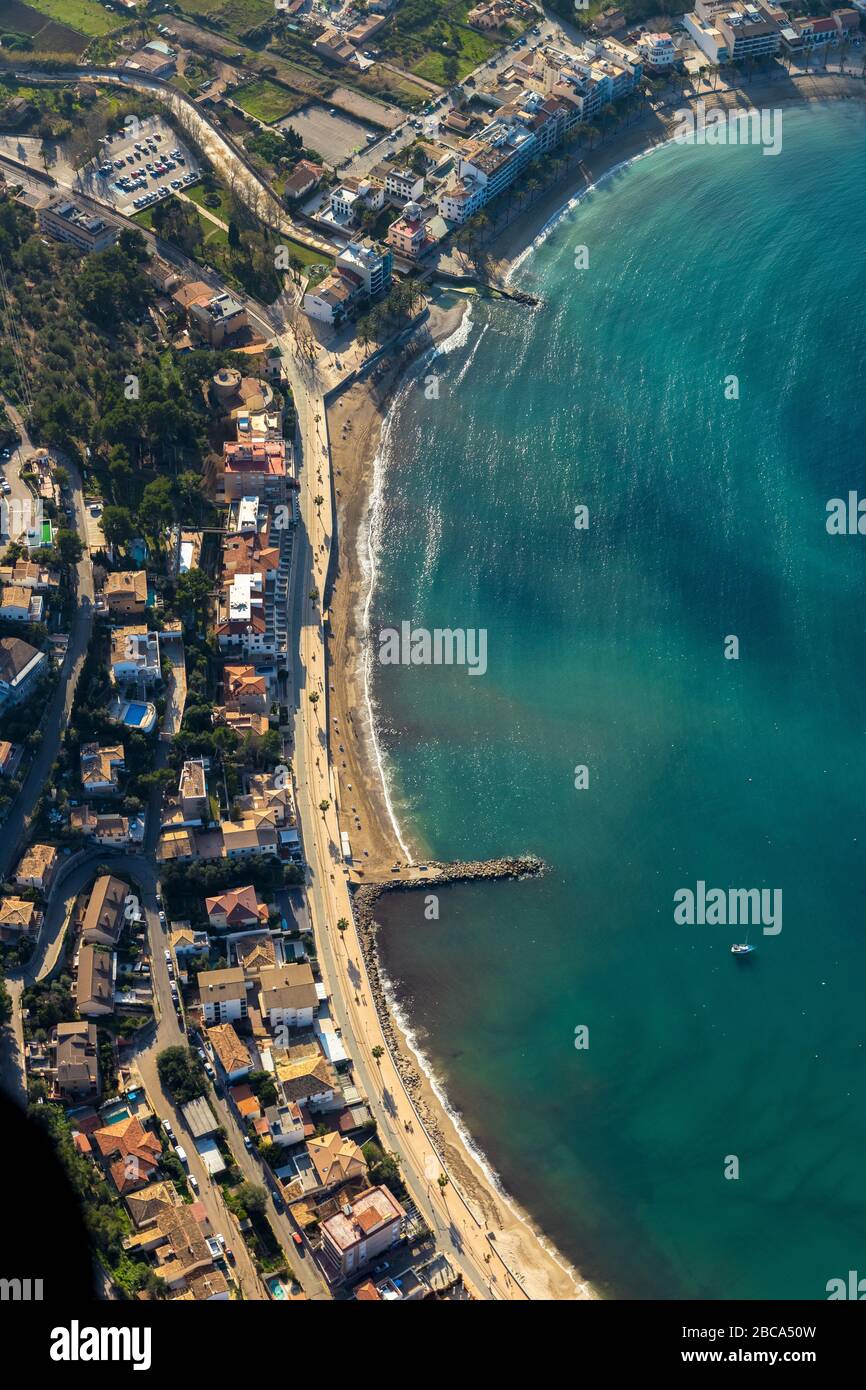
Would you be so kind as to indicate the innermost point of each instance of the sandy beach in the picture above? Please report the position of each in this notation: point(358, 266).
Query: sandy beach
point(355, 421)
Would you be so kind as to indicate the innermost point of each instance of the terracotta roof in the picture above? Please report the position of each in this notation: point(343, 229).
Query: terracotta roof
point(336, 1159)
point(232, 1053)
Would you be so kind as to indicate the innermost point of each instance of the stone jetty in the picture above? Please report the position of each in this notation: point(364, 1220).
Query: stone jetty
point(432, 875)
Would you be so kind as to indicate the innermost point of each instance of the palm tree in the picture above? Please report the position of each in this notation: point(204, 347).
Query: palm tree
point(319, 501)
point(323, 806)
point(342, 927)
point(443, 1183)
point(378, 1053)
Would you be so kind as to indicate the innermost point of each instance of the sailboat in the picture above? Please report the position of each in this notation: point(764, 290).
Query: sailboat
point(743, 949)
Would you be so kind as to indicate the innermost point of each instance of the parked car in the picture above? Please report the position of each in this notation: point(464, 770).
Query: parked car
point(161, 918)
point(278, 1202)
point(167, 954)
point(296, 1237)
point(181, 1153)
point(248, 1143)
point(193, 1182)
point(168, 1129)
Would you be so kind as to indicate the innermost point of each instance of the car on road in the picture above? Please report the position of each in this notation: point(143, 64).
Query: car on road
point(279, 1205)
point(248, 1143)
point(161, 918)
point(296, 1237)
point(380, 1268)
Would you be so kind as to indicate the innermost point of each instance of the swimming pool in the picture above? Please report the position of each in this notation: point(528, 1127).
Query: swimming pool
point(114, 1117)
point(276, 1288)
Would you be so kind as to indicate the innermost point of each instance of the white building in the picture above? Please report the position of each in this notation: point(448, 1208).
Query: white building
point(135, 655)
point(657, 51)
point(223, 995)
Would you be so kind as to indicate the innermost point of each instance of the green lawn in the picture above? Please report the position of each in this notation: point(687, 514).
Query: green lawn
point(266, 100)
point(473, 48)
point(84, 15)
point(196, 194)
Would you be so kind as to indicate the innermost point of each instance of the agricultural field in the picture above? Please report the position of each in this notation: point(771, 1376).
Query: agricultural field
point(36, 32)
point(236, 16)
point(431, 38)
point(266, 100)
point(86, 16)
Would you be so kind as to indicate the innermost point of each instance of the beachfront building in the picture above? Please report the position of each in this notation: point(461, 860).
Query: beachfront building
point(811, 32)
point(557, 88)
point(362, 271)
point(732, 33)
point(657, 51)
point(408, 235)
point(363, 1229)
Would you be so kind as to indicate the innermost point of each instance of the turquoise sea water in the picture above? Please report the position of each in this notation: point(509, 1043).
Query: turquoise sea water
point(605, 648)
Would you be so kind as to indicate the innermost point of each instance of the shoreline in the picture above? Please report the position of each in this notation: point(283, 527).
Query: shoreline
point(521, 1253)
point(358, 426)
point(509, 247)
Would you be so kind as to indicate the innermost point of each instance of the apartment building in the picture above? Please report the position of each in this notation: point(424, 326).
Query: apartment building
point(223, 995)
point(287, 996)
point(408, 235)
point(364, 1228)
point(66, 220)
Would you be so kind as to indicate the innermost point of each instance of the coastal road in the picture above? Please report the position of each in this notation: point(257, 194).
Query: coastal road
point(461, 1231)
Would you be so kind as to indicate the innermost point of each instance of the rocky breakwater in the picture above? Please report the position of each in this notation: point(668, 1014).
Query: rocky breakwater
point(364, 900)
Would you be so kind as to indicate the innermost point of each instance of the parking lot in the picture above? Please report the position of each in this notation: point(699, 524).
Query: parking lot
point(139, 165)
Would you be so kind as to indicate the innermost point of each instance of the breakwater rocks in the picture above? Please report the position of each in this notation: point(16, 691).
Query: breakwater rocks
point(434, 875)
point(364, 901)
